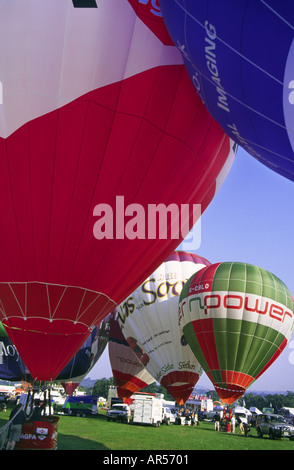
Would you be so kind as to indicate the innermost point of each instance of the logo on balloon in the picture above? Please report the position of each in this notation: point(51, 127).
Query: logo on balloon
point(211, 63)
point(158, 221)
point(248, 303)
point(8, 350)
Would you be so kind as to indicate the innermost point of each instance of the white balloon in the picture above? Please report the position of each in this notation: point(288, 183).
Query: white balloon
point(149, 322)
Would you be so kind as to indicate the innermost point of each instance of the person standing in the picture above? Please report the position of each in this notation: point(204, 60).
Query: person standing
point(216, 421)
point(240, 423)
point(233, 424)
point(196, 418)
point(17, 417)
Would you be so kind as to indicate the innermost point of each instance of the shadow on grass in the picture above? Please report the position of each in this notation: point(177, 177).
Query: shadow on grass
point(72, 443)
point(237, 433)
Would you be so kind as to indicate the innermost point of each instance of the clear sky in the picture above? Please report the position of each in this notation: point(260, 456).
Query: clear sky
point(251, 219)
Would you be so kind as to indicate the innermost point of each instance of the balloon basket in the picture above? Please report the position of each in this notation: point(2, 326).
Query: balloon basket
point(228, 427)
point(39, 435)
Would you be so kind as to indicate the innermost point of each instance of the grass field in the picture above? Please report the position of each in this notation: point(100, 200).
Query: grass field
point(96, 433)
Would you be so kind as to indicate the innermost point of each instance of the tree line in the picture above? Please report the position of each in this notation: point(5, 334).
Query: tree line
point(101, 388)
point(276, 401)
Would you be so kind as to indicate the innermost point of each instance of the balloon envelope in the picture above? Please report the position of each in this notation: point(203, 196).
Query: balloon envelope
point(129, 374)
point(149, 322)
point(240, 58)
point(107, 125)
point(13, 368)
point(237, 319)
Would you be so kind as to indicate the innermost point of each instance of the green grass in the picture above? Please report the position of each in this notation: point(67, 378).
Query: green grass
point(96, 433)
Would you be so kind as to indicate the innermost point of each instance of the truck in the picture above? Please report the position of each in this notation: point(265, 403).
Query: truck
point(115, 400)
point(119, 412)
point(80, 405)
point(148, 409)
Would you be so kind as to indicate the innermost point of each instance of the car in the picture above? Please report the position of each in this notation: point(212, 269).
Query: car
point(275, 426)
point(202, 415)
point(119, 412)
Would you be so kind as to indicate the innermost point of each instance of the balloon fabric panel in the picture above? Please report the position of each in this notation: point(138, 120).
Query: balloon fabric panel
point(68, 168)
point(239, 56)
point(129, 373)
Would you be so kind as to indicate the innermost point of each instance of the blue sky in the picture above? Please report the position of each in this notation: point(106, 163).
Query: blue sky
point(251, 219)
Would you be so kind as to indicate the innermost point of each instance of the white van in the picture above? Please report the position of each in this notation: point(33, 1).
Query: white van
point(242, 413)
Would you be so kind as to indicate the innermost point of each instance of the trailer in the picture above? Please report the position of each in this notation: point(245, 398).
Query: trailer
point(80, 405)
point(148, 409)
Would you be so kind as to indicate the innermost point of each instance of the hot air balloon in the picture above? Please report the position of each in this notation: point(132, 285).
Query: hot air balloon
point(129, 374)
point(240, 56)
point(149, 322)
point(99, 123)
point(237, 319)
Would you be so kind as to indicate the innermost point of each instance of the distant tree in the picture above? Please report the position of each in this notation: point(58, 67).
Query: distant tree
point(251, 400)
point(101, 387)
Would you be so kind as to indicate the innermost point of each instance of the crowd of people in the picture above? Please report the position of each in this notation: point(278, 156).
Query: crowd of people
point(226, 421)
point(231, 423)
point(187, 417)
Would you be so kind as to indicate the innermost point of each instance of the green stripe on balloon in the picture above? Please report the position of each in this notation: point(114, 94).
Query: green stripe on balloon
point(242, 277)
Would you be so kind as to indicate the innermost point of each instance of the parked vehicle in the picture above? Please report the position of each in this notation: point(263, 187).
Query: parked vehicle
point(275, 426)
point(242, 413)
point(148, 410)
point(167, 416)
point(80, 405)
point(115, 400)
point(211, 414)
point(119, 412)
point(202, 415)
